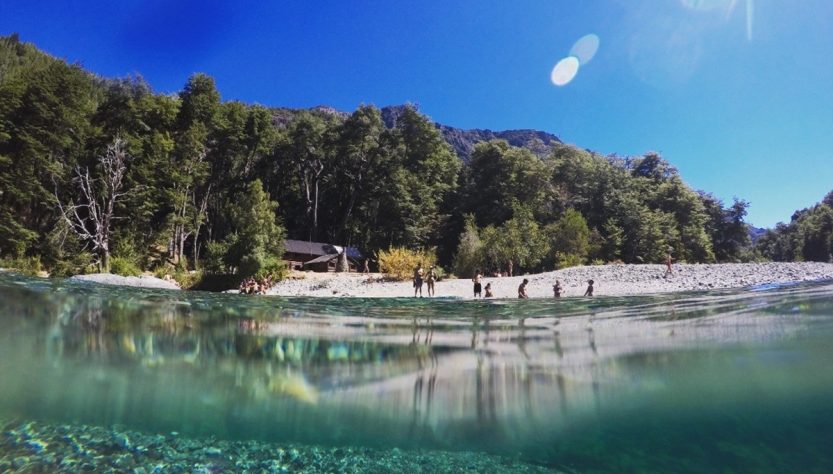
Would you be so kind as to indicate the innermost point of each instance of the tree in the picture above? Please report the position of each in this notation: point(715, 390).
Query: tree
point(569, 239)
point(93, 217)
point(423, 175)
point(519, 239)
point(257, 236)
point(189, 189)
point(308, 153)
point(498, 175)
point(469, 256)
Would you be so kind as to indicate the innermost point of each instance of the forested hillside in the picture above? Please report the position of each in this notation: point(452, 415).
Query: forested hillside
point(106, 172)
point(807, 237)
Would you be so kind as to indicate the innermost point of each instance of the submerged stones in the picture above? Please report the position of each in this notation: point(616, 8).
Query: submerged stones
point(43, 447)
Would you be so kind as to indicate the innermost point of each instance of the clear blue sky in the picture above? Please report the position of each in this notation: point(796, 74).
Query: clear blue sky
point(738, 94)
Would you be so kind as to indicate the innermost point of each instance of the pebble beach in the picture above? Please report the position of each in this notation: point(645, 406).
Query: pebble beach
point(609, 280)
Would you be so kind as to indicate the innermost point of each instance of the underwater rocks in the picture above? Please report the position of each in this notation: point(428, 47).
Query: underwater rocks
point(43, 447)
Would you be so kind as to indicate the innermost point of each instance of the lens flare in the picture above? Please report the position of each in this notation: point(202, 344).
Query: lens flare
point(565, 71)
point(585, 48)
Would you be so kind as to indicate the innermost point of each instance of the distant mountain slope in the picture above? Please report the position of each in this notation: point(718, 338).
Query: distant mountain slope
point(755, 233)
point(463, 141)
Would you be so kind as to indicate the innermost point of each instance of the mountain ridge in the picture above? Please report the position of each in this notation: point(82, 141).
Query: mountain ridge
point(461, 140)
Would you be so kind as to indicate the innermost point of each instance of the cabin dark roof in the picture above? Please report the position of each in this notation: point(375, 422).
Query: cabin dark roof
point(319, 248)
point(322, 259)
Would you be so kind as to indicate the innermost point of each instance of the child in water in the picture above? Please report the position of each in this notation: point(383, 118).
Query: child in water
point(556, 289)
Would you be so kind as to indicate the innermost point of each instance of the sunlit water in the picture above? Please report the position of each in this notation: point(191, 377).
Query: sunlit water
point(736, 380)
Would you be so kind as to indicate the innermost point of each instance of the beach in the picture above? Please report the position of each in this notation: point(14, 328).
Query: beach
point(609, 280)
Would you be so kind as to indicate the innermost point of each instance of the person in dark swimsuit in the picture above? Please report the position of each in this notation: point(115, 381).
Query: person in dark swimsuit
point(522, 290)
point(418, 280)
point(589, 291)
point(488, 291)
point(477, 285)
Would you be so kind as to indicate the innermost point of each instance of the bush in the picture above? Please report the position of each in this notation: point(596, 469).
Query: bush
point(469, 256)
point(187, 280)
point(399, 262)
point(564, 260)
point(272, 268)
point(26, 265)
point(77, 265)
point(215, 254)
point(124, 266)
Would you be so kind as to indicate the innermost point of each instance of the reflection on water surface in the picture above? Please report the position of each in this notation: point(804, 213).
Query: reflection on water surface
point(570, 383)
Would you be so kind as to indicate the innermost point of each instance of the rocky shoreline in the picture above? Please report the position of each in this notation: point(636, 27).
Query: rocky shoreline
point(135, 281)
point(610, 280)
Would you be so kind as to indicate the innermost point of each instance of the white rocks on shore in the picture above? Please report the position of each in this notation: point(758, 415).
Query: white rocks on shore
point(610, 280)
point(140, 281)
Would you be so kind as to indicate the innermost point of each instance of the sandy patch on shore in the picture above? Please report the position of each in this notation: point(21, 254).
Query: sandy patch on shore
point(143, 281)
point(610, 280)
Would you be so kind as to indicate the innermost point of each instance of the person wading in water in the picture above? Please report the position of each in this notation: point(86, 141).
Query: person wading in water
point(430, 279)
point(477, 285)
point(418, 280)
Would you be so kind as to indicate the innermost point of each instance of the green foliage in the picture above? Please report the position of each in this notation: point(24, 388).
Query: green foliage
point(124, 266)
point(399, 262)
point(347, 180)
point(257, 236)
point(499, 175)
point(215, 257)
point(808, 237)
point(520, 239)
point(565, 260)
point(469, 256)
point(272, 268)
point(31, 266)
point(569, 239)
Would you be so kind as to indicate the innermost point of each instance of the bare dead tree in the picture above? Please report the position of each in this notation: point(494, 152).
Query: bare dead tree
point(91, 219)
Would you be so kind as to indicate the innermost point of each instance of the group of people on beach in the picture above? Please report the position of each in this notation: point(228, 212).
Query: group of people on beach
point(557, 288)
point(255, 286)
point(428, 278)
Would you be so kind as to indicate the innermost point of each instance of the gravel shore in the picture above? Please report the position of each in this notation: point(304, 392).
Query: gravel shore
point(139, 281)
point(610, 280)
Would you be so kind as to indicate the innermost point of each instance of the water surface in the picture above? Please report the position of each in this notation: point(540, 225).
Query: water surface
point(704, 381)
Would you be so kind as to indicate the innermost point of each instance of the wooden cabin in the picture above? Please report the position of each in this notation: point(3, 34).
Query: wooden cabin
point(318, 256)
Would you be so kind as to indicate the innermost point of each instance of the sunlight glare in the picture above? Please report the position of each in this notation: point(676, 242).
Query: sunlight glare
point(565, 71)
point(585, 48)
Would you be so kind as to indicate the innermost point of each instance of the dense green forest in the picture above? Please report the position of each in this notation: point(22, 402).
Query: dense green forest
point(107, 173)
point(808, 236)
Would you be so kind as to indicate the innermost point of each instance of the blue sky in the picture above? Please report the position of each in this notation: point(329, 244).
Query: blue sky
point(738, 94)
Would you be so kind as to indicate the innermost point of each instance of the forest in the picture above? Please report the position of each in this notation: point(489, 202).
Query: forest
point(100, 174)
point(807, 237)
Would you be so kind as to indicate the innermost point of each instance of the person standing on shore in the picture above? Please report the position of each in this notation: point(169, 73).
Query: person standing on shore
point(589, 291)
point(509, 268)
point(522, 289)
point(668, 270)
point(488, 291)
point(556, 289)
point(418, 280)
point(430, 279)
point(477, 286)
point(366, 266)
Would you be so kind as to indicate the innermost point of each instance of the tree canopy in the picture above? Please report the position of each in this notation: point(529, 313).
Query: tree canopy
point(221, 183)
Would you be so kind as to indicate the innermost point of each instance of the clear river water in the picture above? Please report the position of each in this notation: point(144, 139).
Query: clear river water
point(717, 381)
